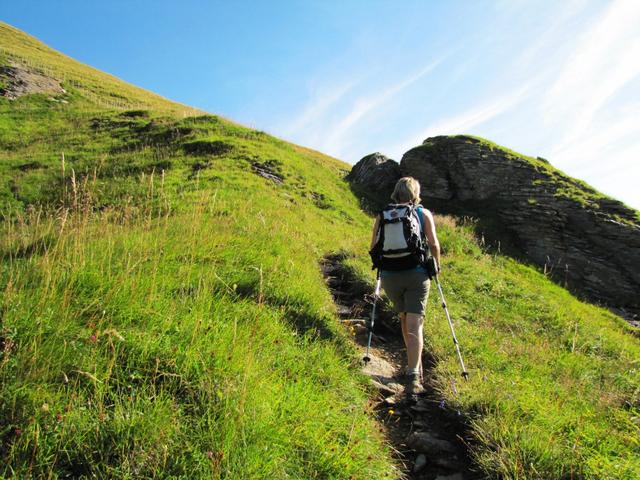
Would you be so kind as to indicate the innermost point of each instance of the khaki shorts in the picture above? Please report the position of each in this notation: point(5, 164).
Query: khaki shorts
point(407, 290)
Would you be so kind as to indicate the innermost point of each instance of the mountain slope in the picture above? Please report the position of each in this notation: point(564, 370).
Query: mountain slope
point(89, 86)
point(164, 315)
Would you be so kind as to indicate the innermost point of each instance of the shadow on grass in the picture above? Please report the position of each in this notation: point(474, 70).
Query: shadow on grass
point(299, 314)
point(37, 247)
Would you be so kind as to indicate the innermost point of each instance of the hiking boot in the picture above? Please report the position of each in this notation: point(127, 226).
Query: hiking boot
point(414, 385)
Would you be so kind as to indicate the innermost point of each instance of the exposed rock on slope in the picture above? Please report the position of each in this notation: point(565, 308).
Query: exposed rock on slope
point(17, 80)
point(373, 178)
point(587, 241)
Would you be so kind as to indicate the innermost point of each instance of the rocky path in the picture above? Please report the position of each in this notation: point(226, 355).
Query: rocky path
point(428, 437)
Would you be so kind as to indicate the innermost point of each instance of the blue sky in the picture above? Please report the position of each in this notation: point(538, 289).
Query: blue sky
point(560, 80)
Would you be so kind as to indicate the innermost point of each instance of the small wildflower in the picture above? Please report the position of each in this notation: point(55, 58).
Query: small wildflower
point(45, 407)
point(18, 432)
point(93, 338)
point(442, 404)
point(391, 411)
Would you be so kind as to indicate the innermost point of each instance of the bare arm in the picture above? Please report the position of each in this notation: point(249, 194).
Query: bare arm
point(430, 231)
point(374, 234)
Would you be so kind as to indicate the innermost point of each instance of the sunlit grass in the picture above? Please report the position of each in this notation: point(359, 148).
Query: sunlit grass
point(163, 314)
point(172, 345)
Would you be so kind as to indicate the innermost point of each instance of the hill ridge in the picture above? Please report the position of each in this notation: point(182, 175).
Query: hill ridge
point(97, 87)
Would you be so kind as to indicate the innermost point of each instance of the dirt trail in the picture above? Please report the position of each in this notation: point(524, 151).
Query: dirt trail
point(429, 438)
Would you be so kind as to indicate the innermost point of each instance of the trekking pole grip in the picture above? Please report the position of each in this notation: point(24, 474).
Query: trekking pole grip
point(432, 268)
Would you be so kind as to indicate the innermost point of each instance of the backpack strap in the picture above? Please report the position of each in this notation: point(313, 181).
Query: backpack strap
point(380, 234)
point(419, 209)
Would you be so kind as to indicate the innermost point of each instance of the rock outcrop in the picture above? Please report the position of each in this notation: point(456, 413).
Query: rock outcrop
point(586, 241)
point(17, 80)
point(373, 179)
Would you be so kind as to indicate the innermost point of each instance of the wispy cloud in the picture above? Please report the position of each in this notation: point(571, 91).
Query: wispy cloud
point(465, 121)
point(559, 80)
point(365, 106)
point(599, 141)
point(605, 61)
point(322, 102)
point(555, 31)
point(610, 159)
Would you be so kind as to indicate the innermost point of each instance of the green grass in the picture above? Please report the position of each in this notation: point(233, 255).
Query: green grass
point(172, 345)
point(555, 383)
point(163, 314)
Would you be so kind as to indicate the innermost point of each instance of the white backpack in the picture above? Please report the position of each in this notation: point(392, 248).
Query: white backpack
point(399, 242)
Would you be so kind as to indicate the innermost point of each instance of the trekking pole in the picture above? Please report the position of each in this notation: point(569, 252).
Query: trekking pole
point(367, 358)
point(433, 271)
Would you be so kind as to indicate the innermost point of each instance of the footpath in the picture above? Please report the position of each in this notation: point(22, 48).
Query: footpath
point(429, 439)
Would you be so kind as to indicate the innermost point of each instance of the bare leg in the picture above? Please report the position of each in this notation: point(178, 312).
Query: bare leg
point(413, 341)
point(403, 325)
point(405, 337)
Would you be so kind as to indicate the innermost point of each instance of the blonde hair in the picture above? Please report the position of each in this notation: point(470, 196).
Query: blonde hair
point(407, 190)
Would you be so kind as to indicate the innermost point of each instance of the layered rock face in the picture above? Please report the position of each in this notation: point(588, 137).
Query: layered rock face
point(587, 241)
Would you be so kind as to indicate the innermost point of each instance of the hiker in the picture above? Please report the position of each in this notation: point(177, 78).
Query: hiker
point(402, 270)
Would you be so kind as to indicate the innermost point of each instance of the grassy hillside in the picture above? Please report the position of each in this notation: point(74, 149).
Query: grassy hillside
point(86, 85)
point(163, 314)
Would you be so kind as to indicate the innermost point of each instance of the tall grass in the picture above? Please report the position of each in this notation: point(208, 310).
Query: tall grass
point(139, 346)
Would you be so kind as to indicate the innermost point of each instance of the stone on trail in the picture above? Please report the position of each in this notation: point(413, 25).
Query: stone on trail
point(420, 423)
point(360, 328)
point(455, 476)
point(379, 369)
point(421, 407)
point(385, 390)
point(425, 442)
point(390, 401)
point(420, 463)
point(450, 463)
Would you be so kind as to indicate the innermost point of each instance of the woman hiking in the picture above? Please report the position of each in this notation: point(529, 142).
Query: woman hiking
point(399, 252)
